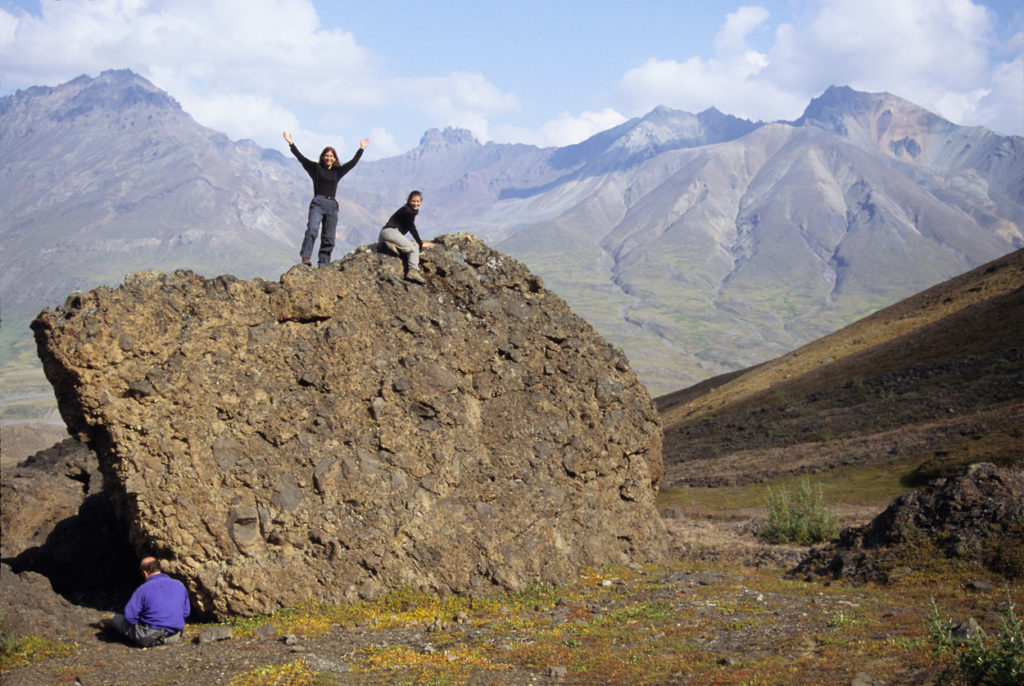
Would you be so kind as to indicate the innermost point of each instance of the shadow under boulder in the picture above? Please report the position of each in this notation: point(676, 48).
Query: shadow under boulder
point(30, 607)
point(59, 523)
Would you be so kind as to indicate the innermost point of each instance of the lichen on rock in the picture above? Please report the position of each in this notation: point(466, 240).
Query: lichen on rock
point(342, 432)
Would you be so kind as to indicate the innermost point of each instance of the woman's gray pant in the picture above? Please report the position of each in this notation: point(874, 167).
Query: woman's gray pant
point(406, 247)
point(322, 210)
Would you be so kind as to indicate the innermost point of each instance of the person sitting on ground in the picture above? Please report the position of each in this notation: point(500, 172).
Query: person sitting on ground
point(323, 208)
point(156, 612)
point(392, 237)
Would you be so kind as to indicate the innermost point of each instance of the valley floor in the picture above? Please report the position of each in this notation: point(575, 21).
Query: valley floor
point(721, 613)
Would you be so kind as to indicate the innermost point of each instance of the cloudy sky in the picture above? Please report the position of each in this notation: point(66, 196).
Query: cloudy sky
point(545, 72)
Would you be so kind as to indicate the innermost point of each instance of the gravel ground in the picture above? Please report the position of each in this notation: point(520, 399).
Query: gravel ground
point(728, 604)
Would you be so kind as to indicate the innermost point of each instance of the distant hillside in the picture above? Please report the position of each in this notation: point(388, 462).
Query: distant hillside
point(936, 379)
point(705, 243)
point(697, 243)
point(107, 176)
point(102, 177)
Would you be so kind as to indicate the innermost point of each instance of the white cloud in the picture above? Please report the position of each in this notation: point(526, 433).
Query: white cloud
point(565, 130)
point(731, 40)
point(460, 99)
point(382, 144)
point(246, 116)
point(253, 67)
point(732, 81)
point(936, 53)
point(232, 62)
point(1002, 106)
point(8, 24)
point(892, 43)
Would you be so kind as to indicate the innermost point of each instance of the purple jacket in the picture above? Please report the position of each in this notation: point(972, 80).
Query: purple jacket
point(160, 602)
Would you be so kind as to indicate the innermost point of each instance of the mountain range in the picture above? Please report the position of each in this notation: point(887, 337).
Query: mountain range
point(698, 243)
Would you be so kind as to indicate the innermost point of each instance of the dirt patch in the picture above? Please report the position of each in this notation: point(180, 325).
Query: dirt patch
point(721, 612)
point(700, 619)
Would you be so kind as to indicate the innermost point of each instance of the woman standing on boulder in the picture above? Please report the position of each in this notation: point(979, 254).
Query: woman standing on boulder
point(392, 236)
point(323, 208)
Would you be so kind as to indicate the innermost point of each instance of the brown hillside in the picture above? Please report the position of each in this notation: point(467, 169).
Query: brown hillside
point(938, 377)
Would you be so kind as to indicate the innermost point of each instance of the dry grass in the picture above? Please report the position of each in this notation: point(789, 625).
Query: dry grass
point(865, 349)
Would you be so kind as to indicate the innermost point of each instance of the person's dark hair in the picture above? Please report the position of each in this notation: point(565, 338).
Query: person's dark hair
point(150, 565)
point(412, 195)
point(324, 152)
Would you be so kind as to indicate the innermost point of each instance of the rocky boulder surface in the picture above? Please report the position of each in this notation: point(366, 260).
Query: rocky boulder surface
point(977, 516)
point(343, 432)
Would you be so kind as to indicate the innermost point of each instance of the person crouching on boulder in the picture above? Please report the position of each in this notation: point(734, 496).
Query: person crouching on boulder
point(323, 208)
point(393, 237)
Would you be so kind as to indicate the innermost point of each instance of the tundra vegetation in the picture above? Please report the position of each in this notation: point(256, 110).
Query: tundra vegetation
point(723, 611)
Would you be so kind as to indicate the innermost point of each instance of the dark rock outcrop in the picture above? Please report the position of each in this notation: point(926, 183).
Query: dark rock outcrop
point(977, 516)
point(342, 432)
point(58, 521)
point(42, 490)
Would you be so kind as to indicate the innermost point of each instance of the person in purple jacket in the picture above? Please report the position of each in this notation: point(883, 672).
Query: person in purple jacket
point(323, 208)
point(156, 612)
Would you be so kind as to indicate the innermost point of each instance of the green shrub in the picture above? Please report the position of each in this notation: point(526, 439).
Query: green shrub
point(8, 639)
point(976, 660)
point(18, 650)
point(800, 518)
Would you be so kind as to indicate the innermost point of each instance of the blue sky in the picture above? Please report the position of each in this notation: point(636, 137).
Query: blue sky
point(546, 72)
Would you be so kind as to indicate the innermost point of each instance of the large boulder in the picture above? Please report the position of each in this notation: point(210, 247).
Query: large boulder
point(343, 432)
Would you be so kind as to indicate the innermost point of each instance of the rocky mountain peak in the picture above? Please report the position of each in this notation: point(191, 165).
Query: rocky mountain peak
point(660, 130)
point(449, 137)
point(111, 95)
point(839, 99)
point(866, 116)
point(341, 432)
point(664, 128)
point(134, 183)
point(114, 91)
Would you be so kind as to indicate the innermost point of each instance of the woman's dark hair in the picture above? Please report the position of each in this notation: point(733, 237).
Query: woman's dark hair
point(324, 152)
point(412, 195)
